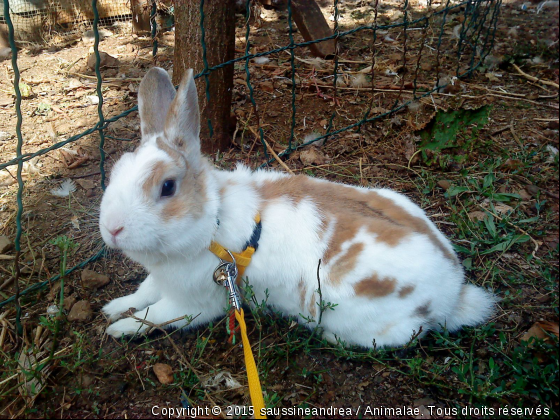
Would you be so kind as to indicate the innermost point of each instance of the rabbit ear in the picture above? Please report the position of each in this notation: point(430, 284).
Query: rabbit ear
point(155, 95)
point(182, 125)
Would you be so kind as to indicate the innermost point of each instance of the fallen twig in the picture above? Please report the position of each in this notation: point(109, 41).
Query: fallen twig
point(85, 175)
point(533, 78)
point(514, 134)
point(272, 152)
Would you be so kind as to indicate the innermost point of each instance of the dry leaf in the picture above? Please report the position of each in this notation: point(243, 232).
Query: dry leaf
point(86, 184)
point(477, 215)
point(525, 196)
point(105, 62)
point(78, 162)
point(31, 384)
point(512, 165)
point(73, 158)
point(267, 86)
point(410, 148)
point(550, 327)
point(503, 208)
point(539, 330)
point(222, 380)
point(492, 77)
point(312, 156)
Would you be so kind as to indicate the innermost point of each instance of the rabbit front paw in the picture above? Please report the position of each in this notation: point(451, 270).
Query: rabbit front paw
point(126, 326)
point(116, 307)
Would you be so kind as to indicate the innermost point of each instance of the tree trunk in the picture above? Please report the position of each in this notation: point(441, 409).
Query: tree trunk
point(219, 28)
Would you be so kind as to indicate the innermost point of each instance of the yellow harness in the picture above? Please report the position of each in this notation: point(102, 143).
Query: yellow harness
point(242, 259)
point(239, 262)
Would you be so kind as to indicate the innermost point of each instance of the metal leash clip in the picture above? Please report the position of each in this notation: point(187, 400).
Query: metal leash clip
point(226, 275)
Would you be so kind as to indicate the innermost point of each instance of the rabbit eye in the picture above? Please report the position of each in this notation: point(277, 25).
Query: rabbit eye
point(168, 188)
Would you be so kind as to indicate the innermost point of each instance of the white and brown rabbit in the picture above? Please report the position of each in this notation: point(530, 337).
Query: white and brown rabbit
point(384, 264)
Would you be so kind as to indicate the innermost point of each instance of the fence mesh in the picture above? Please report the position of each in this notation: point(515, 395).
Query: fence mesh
point(456, 57)
point(39, 21)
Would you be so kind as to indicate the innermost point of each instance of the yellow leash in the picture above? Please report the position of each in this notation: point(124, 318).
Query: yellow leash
point(232, 266)
point(255, 389)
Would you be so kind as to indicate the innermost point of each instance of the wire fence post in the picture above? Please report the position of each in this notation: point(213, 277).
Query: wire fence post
point(248, 78)
point(335, 68)
point(101, 123)
point(153, 27)
point(11, 35)
point(293, 68)
point(205, 63)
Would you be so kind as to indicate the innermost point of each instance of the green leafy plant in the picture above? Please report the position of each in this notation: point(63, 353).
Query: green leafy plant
point(451, 130)
point(65, 245)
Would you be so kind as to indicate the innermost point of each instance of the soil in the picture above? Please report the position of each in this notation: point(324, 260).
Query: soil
point(96, 376)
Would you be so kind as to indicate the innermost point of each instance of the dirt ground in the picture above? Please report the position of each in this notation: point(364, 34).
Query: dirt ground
point(494, 191)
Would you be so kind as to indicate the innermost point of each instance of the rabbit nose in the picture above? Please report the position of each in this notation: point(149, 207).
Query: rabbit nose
point(116, 231)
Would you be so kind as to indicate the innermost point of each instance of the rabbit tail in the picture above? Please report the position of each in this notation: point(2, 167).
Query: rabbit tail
point(475, 306)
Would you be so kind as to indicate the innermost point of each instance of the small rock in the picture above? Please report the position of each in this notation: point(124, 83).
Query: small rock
point(164, 373)
point(424, 413)
point(551, 134)
point(5, 100)
point(5, 244)
point(93, 280)
point(106, 61)
point(445, 184)
point(423, 402)
point(111, 73)
point(89, 36)
point(5, 53)
point(80, 312)
point(93, 99)
point(74, 84)
point(4, 135)
point(87, 381)
point(69, 302)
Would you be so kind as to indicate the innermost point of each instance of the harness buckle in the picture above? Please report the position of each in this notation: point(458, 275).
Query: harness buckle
point(226, 275)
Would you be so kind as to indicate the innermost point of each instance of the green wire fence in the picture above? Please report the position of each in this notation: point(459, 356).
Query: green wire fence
point(475, 40)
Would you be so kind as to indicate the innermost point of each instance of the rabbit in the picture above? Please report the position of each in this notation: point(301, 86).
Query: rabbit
point(386, 269)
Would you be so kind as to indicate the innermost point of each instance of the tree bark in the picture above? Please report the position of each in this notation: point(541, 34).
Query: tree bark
point(219, 28)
